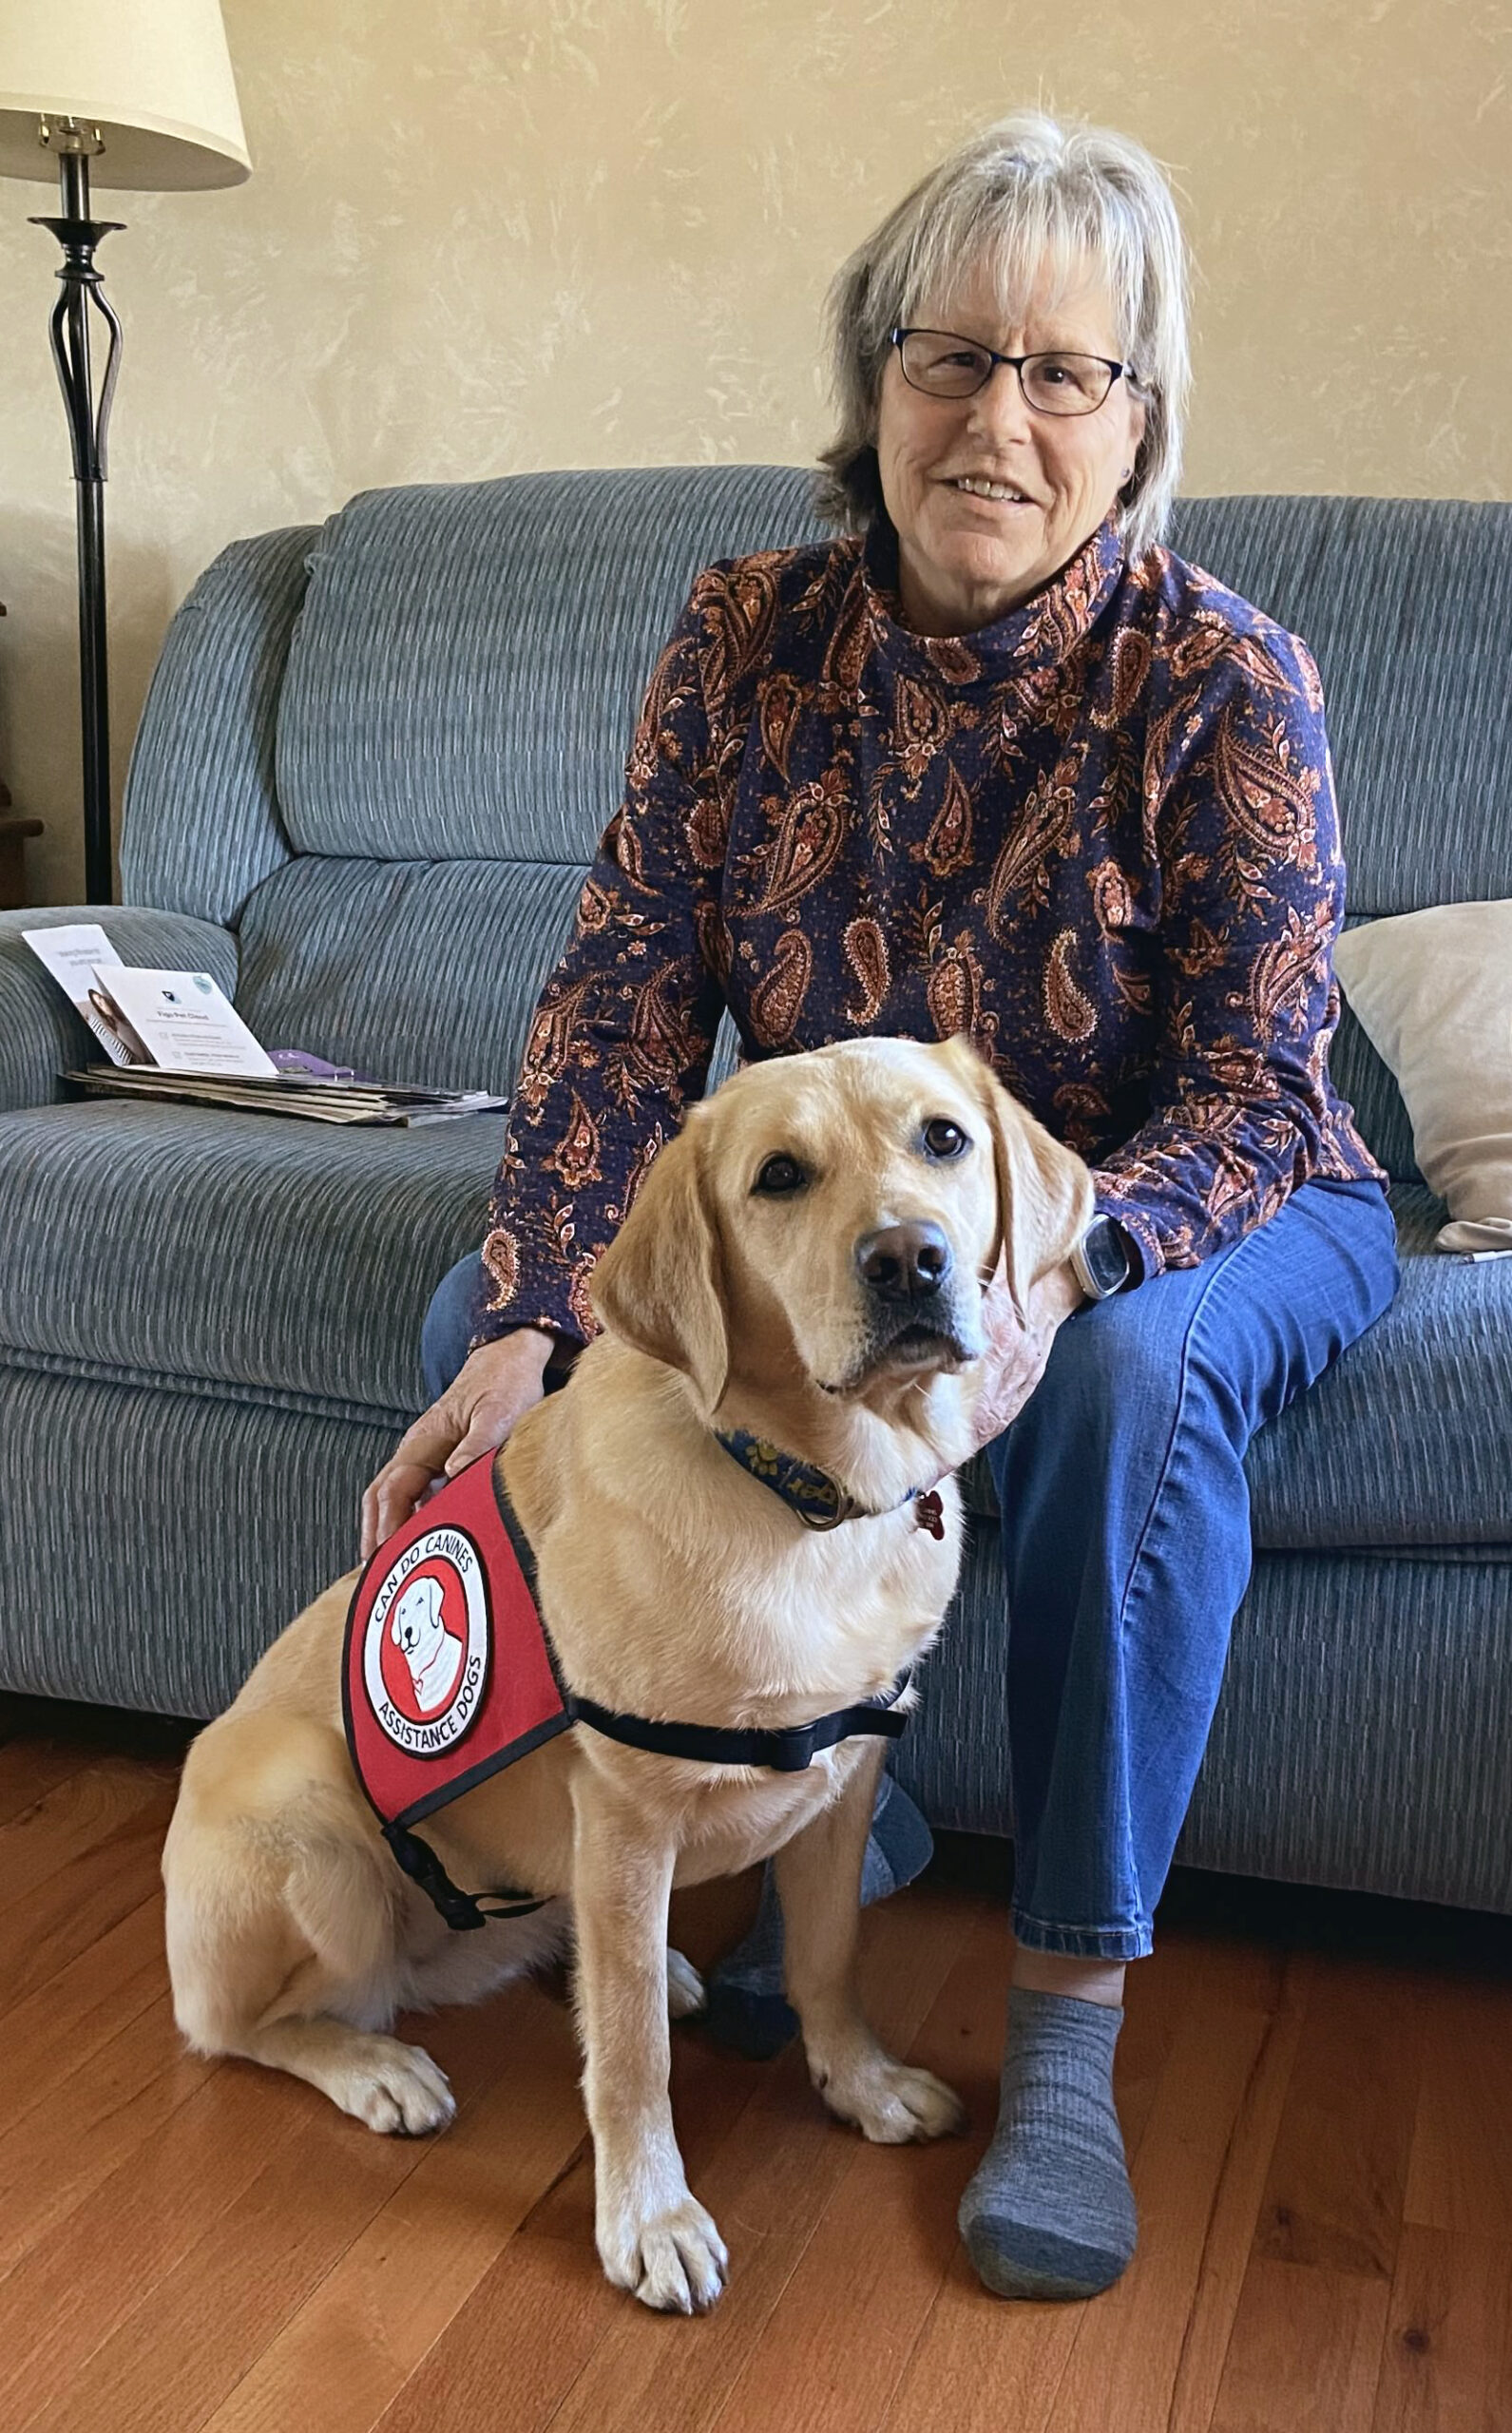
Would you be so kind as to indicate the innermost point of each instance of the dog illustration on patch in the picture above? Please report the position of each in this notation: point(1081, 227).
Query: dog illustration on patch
point(433, 1653)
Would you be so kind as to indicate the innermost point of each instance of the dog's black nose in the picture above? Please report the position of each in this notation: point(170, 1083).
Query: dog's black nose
point(904, 1262)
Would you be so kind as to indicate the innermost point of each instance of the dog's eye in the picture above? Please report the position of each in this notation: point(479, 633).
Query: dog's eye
point(944, 1139)
point(780, 1176)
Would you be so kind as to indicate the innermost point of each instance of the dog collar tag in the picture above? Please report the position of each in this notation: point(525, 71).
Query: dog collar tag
point(929, 1512)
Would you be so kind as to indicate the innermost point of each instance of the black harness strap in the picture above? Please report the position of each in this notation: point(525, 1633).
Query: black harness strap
point(786, 1751)
point(460, 1910)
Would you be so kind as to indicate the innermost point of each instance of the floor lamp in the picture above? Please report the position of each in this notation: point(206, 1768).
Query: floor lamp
point(143, 90)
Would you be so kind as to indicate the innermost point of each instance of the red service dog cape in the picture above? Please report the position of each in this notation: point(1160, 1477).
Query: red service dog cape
point(446, 1674)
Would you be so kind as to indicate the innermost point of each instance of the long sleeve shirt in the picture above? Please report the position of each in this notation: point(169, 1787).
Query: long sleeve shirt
point(1099, 835)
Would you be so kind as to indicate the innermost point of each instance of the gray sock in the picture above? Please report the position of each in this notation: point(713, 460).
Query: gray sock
point(1049, 2211)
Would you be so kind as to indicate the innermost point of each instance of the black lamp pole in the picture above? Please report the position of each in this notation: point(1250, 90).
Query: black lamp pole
point(79, 235)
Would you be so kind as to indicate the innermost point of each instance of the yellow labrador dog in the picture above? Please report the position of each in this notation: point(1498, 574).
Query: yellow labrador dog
point(807, 1261)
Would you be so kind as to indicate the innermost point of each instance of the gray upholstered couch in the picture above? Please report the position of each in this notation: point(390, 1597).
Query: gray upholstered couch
point(372, 769)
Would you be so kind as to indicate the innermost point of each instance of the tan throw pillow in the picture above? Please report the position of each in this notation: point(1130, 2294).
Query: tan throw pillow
point(1433, 991)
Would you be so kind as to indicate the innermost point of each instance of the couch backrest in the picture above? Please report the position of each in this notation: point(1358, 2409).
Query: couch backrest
point(386, 749)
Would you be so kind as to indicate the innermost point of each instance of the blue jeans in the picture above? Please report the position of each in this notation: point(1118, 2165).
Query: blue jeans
point(1127, 1540)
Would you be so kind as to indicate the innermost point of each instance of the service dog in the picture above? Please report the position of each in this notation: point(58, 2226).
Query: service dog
point(804, 1265)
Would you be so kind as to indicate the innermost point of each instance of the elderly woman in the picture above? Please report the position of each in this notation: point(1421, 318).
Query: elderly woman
point(998, 761)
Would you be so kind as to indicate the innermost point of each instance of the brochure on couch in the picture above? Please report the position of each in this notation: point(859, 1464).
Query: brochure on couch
point(74, 952)
point(184, 1021)
point(173, 1035)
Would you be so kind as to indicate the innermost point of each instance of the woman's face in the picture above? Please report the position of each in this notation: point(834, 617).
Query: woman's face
point(966, 560)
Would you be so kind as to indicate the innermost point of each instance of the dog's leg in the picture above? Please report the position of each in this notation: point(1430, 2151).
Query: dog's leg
point(654, 2238)
point(819, 1884)
point(395, 2088)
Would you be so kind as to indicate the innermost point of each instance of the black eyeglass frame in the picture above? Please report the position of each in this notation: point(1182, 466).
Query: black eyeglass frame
point(1117, 371)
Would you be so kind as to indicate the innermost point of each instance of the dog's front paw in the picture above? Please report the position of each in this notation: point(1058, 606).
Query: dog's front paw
point(891, 2104)
point(675, 2262)
point(685, 1994)
point(398, 2090)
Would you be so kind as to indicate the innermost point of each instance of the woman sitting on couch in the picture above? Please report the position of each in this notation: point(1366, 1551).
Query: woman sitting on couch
point(996, 761)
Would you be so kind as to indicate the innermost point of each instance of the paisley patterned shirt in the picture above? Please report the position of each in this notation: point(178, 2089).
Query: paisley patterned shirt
point(1099, 834)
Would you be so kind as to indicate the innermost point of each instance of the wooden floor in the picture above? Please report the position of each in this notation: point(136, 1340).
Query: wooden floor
point(1315, 2091)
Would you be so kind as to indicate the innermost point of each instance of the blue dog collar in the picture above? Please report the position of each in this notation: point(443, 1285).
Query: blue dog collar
point(818, 1500)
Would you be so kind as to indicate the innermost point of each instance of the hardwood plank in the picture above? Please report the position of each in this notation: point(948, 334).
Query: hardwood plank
point(1338, 2177)
point(840, 2336)
point(73, 1818)
point(1447, 2362)
point(765, 2185)
point(234, 2265)
point(29, 1770)
point(348, 2351)
point(84, 2007)
point(92, 2119)
point(80, 1901)
point(1227, 2252)
point(1306, 2351)
point(985, 2365)
point(1460, 2175)
point(72, 2289)
point(516, 2347)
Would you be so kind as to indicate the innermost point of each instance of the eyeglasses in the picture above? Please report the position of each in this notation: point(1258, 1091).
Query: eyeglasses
point(942, 365)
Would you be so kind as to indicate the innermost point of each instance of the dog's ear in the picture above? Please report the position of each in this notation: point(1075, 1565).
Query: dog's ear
point(660, 1285)
point(1045, 1190)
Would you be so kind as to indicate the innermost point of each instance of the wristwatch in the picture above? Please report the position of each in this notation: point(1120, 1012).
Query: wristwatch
point(1102, 1261)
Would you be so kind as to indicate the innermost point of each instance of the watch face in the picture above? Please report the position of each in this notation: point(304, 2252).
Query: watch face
point(1104, 1251)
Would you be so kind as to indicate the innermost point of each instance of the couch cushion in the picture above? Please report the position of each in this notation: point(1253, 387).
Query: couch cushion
point(261, 1252)
point(417, 971)
point(469, 657)
point(202, 824)
point(1407, 1439)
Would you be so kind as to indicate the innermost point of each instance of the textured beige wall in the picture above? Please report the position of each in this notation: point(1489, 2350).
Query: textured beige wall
point(497, 235)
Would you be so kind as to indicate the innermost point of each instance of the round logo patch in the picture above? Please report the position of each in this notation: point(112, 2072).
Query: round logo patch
point(425, 1652)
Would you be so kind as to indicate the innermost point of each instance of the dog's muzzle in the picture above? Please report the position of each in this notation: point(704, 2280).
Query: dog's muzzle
point(912, 1299)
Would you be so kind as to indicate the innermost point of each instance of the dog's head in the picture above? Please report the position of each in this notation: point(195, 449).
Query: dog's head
point(833, 1220)
point(417, 1627)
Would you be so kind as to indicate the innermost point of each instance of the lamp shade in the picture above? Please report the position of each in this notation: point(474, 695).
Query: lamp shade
point(153, 76)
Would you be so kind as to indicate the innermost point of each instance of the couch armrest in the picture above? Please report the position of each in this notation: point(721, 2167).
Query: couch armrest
point(39, 1029)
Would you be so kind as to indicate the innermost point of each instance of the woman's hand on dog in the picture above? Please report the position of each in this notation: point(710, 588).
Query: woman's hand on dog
point(1017, 1354)
point(494, 1386)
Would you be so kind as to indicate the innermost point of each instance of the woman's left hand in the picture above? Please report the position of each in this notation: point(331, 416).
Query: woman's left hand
point(1016, 1353)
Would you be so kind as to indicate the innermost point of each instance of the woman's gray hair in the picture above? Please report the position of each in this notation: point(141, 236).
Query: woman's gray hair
point(1027, 195)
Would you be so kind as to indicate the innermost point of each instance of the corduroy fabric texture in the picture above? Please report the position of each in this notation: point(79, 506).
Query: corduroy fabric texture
point(415, 971)
point(189, 1243)
point(157, 1543)
point(202, 824)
